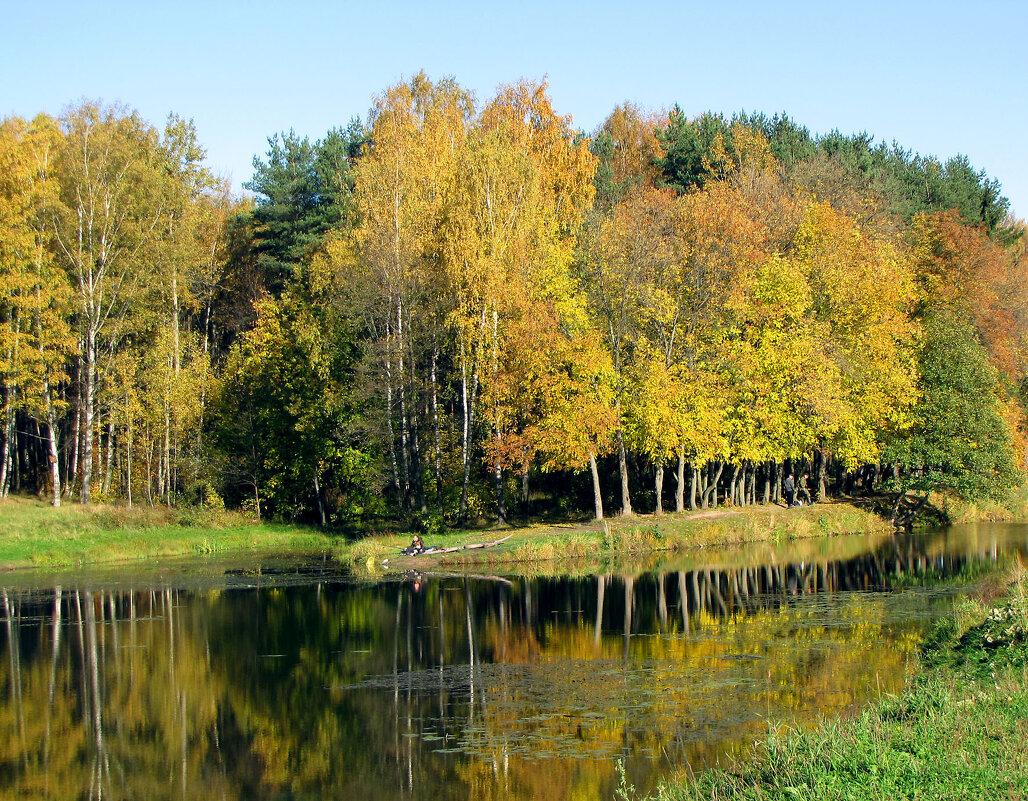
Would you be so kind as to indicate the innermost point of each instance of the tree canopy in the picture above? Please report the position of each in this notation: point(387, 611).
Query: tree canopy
point(461, 310)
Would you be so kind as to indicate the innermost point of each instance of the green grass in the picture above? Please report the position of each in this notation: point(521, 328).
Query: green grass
point(582, 548)
point(958, 732)
point(34, 534)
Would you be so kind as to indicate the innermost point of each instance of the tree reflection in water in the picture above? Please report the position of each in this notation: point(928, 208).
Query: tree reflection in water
point(453, 687)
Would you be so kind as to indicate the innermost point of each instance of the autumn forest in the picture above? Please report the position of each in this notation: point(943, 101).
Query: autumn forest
point(456, 311)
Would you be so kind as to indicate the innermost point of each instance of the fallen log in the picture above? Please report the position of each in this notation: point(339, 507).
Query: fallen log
point(468, 547)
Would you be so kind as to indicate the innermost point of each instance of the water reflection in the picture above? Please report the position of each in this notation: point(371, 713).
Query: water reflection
point(287, 683)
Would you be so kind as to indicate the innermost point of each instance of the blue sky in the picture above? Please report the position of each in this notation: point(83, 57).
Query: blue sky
point(939, 78)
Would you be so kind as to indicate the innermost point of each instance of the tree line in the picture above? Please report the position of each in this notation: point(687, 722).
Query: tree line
point(458, 311)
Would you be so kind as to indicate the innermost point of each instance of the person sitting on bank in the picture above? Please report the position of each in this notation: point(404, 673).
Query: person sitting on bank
point(416, 545)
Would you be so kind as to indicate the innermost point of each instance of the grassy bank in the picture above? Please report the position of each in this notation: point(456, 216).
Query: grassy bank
point(952, 509)
point(958, 732)
point(586, 545)
point(34, 534)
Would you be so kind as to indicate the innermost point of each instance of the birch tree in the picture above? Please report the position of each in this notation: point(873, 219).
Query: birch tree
point(36, 336)
point(111, 207)
point(417, 130)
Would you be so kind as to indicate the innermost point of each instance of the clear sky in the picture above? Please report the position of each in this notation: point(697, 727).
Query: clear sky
point(939, 78)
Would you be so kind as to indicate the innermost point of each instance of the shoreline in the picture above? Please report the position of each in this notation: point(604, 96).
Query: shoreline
point(39, 536)
point(957, 731)
point(36, 535)
point(580, 547)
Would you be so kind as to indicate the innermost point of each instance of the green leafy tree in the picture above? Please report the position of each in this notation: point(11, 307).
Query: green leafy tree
point(960, 440)
point(284, 418)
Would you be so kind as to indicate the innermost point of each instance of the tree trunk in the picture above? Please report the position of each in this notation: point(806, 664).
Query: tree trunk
point(467, 415)
point(908, 519)
point(167, 453)
point(626, 500)
point(438, 436)
point(597, 493)
point(128, 455)
point(498, 431)
point(108, 459)
point(176, 336)
point(896, 506)
point(321, 506)
point(822, 489)
point(680, 486)
point(417, 479)
point(501, 512)
point(89, 410)
point(711, 490)
point(73, 451)
point(468, 396)
point(391, 426)
point(53, 452)
point(525, 490)
point(402, 390)
point(14, 455)
point(659, 488)
point(5, 447)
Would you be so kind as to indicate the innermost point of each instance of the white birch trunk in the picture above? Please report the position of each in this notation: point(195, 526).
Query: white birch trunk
point(597, 492)
point(89, 411)
point(626, 498)
point(680, 486)
point(659, 488)
point(51, 445)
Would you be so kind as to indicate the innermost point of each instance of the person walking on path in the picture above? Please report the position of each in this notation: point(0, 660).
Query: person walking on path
point(802, 491)
point(790, 491)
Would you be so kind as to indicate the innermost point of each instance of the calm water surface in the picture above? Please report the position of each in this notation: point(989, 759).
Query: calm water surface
point(278, 681)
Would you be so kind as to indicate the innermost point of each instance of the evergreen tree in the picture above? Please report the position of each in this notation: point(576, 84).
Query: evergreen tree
point(304, 191)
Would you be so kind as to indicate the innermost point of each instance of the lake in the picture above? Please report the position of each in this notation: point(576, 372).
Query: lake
point(283, 679)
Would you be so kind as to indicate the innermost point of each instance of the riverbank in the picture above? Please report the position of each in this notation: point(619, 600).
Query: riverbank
point(34, 534)
point(553, 548)
point(957, 732)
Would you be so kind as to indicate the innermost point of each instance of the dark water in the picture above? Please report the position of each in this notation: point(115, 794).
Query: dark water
point(286, 680)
